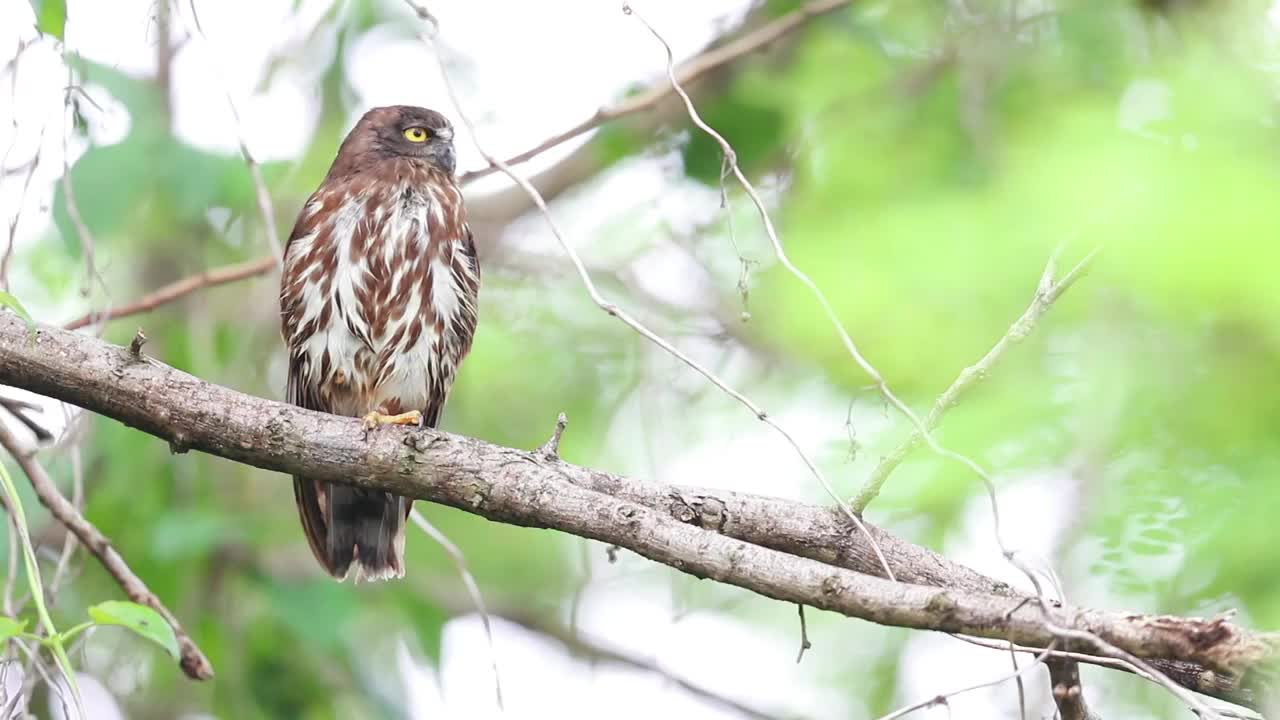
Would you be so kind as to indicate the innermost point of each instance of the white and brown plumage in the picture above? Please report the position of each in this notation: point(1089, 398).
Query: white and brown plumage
point(378, 308)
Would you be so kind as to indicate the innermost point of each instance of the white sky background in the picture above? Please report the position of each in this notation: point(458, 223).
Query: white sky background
point(528, 70)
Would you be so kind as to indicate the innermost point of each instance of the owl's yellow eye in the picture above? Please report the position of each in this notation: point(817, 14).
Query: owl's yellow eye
point(416, 134)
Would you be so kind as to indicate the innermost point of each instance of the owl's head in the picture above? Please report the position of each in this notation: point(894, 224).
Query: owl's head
point(402, 131)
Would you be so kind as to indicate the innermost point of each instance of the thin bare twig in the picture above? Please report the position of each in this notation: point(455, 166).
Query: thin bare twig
point(179, 289)
point(469, 580)
point(639, 327)
point(68, 191)
point(922, 431)
point(1022, 691)
point(13, 67)
point(17, 215)
point(69, 542)
point(1229, 713)
point(942, 699)
point(42, 673)
point(804, 635)
point(876, 378)
point(1047, 292)
point(10, 709)
point(1112, 663)
point(192, 660)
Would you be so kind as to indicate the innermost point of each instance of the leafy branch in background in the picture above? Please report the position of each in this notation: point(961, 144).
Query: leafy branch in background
point(142, 620)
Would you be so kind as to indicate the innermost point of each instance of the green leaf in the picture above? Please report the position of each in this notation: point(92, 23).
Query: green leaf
point(11, 302)
point(51, 17)
point(142, 620)
point(10, 627)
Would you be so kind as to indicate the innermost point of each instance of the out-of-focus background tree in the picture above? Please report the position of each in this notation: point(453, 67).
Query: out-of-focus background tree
point(922, 160)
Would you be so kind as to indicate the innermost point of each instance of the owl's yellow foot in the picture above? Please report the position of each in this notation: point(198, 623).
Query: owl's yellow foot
point(375, 418)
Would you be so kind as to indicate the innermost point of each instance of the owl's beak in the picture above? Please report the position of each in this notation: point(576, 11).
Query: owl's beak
point(446, 157)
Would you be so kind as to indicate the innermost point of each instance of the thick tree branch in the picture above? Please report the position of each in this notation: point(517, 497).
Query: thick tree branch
point(697, 532)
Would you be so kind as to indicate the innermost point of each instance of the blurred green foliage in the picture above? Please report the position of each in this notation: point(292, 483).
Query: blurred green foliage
point(51, 17)
point(929, 163)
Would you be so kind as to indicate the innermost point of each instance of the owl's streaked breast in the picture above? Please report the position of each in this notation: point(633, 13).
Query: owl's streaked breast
point(386, 326)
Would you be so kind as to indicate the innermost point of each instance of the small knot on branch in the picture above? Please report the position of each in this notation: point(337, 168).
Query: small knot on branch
point(135, 345)
point(193, 662)
point(551, 448)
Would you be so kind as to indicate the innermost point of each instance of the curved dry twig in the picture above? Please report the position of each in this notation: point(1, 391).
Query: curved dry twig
point(642, 329)
point(12, 244)
point(85, 236)
point(469, 580)
point(1047, 292)
point(942, 698)
point(922, 432)
point(877, 379)
point(179, 289)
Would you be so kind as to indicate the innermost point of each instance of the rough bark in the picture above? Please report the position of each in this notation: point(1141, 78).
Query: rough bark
point(784, 550)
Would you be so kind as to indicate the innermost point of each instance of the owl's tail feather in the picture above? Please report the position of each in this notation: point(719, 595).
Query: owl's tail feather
point(348, 526)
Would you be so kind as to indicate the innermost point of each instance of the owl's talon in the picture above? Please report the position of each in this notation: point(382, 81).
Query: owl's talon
point(375, 418)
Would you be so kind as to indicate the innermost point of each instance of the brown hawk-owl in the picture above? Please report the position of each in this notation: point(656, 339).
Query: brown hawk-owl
point(378, 308)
